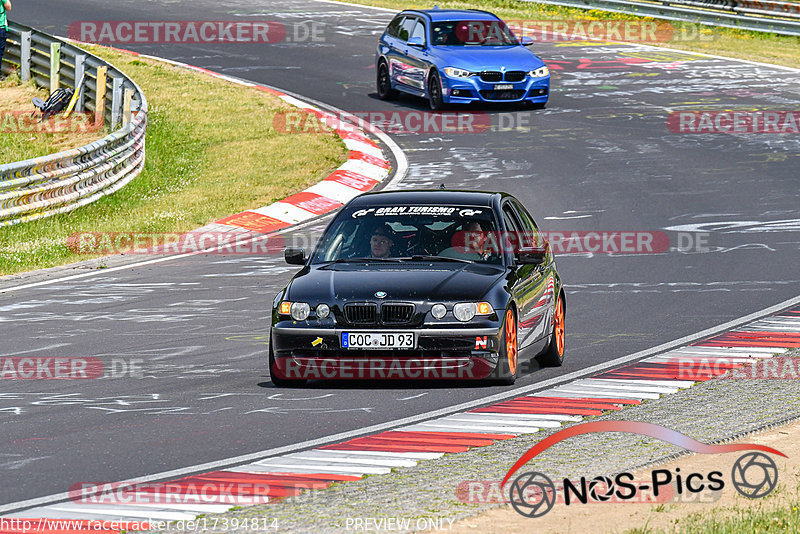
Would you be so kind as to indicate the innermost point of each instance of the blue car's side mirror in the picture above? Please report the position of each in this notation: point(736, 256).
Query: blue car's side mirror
point(526, 41)
point(416, 42)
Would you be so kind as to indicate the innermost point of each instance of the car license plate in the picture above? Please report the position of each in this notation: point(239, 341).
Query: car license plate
point(378, 340)
point(503, 86)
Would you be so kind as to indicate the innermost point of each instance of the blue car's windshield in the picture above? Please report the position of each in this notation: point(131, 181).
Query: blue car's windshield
point(472, 33)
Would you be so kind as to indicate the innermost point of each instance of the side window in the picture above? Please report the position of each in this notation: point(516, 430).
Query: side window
point(419, 31)
point(393, 29)
point(532, 238)
point(510, 239)
point(406, 27)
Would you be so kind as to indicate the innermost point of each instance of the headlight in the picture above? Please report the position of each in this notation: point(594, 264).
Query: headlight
point(298, 310)
point(457, 73)
point(323, 310)
point(541, 72)
point(438, 311)
point(465, 311)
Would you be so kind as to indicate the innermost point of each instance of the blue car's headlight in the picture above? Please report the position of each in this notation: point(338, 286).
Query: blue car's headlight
point(541, 72)
point(457, 73)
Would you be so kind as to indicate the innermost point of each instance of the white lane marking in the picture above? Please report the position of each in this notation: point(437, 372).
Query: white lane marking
point(630, 388)
point(283, 211)
point(322, 467)
point(672, 384)
point(509, 428)
point(388, 454)
point(352, 144)
point(611, 394)
point(292, 470)
point(351, 459)
point(372, 429)
point(533, 416)
point(335, 190)
point(488, 418)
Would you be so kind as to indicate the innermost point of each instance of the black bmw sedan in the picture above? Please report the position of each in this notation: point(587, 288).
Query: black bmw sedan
point(420, 285)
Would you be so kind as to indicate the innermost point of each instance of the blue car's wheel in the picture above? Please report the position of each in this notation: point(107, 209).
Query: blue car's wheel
point(435, 91)
point(385, 91)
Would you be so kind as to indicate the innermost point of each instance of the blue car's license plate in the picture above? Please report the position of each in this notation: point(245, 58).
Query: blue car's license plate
point(503, 86)
point(378, 340)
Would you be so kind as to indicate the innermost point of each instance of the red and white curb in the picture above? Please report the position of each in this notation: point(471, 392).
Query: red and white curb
point(277, 477)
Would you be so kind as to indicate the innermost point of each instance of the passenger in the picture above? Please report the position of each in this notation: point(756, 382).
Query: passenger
point(468, 244)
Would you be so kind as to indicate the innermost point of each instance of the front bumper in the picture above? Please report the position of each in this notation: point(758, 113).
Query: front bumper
point(450, 354)
point(473, 89)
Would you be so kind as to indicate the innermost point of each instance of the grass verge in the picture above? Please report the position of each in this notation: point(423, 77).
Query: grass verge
point(755, 46)
point(211, 151)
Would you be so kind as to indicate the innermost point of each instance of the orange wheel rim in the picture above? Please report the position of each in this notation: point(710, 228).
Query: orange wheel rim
point(511, 342)
point(559, 327)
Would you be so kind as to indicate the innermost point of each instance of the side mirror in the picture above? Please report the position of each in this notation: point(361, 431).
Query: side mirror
point(295, 256)
point(416, 42)
point(526, 40)
point(533, 256)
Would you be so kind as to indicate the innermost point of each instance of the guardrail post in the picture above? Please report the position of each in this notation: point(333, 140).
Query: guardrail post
point(100, 96)
point(25, 55)
point(116, 101)
point(126, 106)
point(80, 68)
point(55, 64)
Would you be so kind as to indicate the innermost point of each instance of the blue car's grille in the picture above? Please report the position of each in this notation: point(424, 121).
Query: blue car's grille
point(491, 76)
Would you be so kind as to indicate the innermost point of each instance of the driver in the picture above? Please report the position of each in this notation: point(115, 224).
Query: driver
point(381, 241)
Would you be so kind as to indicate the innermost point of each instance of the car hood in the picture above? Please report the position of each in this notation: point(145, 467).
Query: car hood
point(476, 59)
point(432, 283)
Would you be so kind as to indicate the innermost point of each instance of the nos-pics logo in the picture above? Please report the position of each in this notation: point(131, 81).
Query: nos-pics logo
point(533, 494)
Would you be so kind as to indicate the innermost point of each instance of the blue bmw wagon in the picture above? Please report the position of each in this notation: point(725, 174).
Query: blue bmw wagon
point(458, 57)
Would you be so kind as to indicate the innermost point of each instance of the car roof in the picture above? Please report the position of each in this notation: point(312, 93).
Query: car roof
point(428, 196)
point(454, 14)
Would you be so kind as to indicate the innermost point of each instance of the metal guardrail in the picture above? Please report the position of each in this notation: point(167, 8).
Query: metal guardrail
point(754, 15)
point(58, 183)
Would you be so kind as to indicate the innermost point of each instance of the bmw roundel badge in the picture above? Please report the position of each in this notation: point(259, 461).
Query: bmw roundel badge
point(380, 294)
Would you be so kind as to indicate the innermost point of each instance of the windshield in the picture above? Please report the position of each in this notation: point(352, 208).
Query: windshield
point(472, 32)
point(407, 233)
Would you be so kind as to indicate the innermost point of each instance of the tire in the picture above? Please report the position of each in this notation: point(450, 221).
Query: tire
point(554, 355)
point(435, 92)
point(384, 83)
point(281, 382)
point(508, 363)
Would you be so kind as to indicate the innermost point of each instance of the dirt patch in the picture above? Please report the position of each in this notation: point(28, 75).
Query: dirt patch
point(619, 517)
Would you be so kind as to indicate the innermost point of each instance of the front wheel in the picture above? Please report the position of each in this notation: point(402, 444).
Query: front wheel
point(435, 92)
point(281, 382)
point(554, 355)
point(509, 351)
